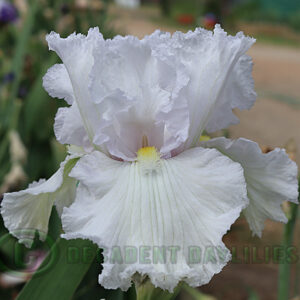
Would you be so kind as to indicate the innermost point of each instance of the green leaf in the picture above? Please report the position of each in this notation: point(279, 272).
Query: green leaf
point(252, 295)
point(62, 271)
point(18, 61)
point(285, 267)
point(196, 294)
point(36, 107)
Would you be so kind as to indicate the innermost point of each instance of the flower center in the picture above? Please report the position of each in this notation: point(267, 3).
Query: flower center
point(148, 157)
point(147, 154)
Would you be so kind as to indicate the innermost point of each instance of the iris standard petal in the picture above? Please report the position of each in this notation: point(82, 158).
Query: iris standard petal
point(69, 127)
point(150, 86)
point(186, 202)
point(170, 87)
point(238, 92)
point(271, 179)
point(57, 83)
point(75, 52)
point(219, 75)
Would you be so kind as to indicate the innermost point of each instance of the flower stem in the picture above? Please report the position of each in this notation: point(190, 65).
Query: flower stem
point(285, 267)
point(146, 291)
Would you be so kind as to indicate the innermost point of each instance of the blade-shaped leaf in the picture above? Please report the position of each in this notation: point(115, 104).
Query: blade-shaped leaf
point(62, 271)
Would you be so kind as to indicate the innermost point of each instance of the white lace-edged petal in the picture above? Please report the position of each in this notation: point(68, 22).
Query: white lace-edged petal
point(219, 72)
point(216, 56)
point(190, 200)
point(237, 93)
point(75, 52)
point(28, 211)
point(57, 83)
point(69, 128)
point(146, 98)
point(271, 179)
point(172, 86)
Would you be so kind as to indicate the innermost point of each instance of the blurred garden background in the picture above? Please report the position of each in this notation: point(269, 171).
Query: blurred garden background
point(29, 151)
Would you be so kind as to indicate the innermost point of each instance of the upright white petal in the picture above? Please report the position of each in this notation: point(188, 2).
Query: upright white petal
point(219, 72)
point(271, 179)
point(58, 84)
point(75, 52)
point(28, 211)
point(69, 128)
point(186, 201)
point(145, 97)
point(168, 88)
point(238, 92)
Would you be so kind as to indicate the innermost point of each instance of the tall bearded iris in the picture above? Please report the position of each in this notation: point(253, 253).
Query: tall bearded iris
point(137, 174)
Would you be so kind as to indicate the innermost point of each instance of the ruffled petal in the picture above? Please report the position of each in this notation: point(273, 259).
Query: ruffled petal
point(172, 86)
point(187, 202)
point(271, 179)
point(28, 211)
point(57, 83)
point(238, 93)
point(75, 52)
point(69, 128)
point(219, 72)
point(146, 99)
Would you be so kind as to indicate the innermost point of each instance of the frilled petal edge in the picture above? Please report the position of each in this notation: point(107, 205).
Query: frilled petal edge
point(58, 84)
point(219, 72)
point(271, 179)
point(69, 128)
point(28, 211)
point(187, 202)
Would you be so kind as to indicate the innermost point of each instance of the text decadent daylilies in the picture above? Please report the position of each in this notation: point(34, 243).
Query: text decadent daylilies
point(137, 174)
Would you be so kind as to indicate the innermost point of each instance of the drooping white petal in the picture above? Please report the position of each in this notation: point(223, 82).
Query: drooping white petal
point(28, 211)
point(65, 196)
point(186, 201)
point(57, 83)
point(271, 179)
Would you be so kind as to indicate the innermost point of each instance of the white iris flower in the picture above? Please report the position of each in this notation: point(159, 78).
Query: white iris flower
point(137, 176)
